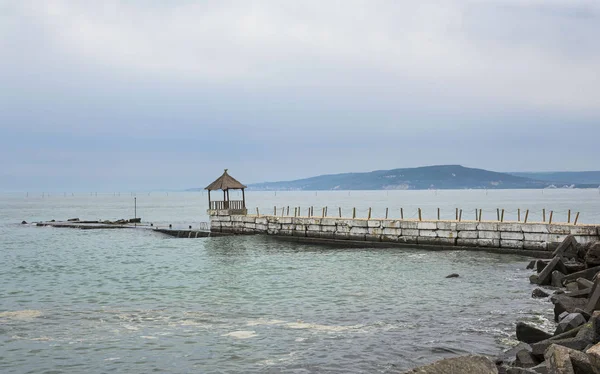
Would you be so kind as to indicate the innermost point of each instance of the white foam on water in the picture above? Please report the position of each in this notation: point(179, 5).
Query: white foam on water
point(21, 314)
point(264, 322)
point(317, 327)
point(112, 358)
point(148, 337)
point(242, 334)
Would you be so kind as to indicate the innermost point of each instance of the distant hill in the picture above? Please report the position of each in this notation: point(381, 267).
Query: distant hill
point(578, 177)
point(428, 177)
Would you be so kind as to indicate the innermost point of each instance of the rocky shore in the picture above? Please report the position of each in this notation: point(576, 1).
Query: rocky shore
point(571, 281)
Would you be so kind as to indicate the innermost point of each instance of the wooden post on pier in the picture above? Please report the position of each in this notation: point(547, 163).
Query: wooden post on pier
point(257, 214)
point(460, 215)
point(498, 214)
point(323, 213)
point(544, 215)
point(438, 214)
point(569, 217)
point(420, 218)
point(386, 213)
point(282, 211)
point(475, 214)
point(479, 215)
point(401, 213)
point(288, 211)
point(340, 209)
point(519, 215)
point(502, 216)
point(275, 211)
point(295, 212)
point(526, 215)
point(576, 218)
point(369, 215)
point(550, 221)
point(353, 213)
point(456, 214)
point(312, 211)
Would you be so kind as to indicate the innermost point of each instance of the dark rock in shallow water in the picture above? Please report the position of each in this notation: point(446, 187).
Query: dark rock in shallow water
point(540, 265)
point(453, 275)
point(529, 334)
point(73, 220)
point(531, 264)
point(545, 276)
point(569, 322)
point(463, 365)
point(539, 293)
point(23, 222)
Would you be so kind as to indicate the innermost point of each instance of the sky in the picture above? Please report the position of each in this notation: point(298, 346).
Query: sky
point(139, 95)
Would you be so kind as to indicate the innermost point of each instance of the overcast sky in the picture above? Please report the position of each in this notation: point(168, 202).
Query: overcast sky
point(117, 95)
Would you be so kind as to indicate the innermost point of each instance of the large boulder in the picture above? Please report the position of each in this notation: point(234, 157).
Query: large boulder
point(594, 357)
point(530, 334)
point(594, 300)
point(525, 359)
point(573, 266)
point(569, 322)
point(545, 276)
point(563, 303)
point(585, 274)
point(463, 364)
point(578, 338)
point(557, 278)
point(592, 258)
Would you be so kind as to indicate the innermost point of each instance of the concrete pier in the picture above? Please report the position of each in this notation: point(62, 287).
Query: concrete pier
point(516, 237)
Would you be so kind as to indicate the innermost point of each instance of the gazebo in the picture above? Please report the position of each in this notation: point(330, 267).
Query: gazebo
point(225, 183)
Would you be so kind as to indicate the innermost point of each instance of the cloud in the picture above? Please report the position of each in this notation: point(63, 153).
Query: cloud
point(250, 76)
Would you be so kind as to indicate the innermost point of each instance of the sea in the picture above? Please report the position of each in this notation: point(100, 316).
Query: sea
point(136, 301)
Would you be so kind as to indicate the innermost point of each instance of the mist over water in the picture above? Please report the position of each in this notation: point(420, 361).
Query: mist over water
point(136, 301)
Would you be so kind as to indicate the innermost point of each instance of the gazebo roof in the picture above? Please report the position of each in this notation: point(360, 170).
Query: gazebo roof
point(225, 182)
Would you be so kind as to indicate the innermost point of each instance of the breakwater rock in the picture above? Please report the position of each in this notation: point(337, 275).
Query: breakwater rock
point(574, 347)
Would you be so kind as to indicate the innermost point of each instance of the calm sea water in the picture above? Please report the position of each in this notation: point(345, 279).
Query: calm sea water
point(135, 301)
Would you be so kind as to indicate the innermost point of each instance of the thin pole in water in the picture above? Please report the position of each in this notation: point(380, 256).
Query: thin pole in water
point(135, 209)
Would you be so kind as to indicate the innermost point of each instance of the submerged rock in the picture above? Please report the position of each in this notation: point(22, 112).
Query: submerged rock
point(539, 293)
point(23, 222)
point(463, 365)
point(453, 275)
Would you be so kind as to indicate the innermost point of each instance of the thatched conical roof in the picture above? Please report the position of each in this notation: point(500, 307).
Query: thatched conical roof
point(225, 182)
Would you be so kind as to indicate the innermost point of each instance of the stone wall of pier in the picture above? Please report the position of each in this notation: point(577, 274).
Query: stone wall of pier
point(508, 235)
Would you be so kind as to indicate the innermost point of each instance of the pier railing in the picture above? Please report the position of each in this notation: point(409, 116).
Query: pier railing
point(231, 204)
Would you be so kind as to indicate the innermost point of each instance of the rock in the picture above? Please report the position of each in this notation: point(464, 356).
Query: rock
point(73, 220)
point(567, 249)
point(23, 222)
point(585, 314)
point(562, 316)
point(545, 276)
point(572, 286)
point(540, 265)
point(578, 338)
point(594, 300)
point(529, 334)
point(573, 266)
point(135, 220)
point(518, 370)
point(453, 275)
point(585, 274)
point(525, 359)
point(558, 360)
point(581, 362)
point(540, 369)
point(454, 365)
point(564, 303)
point(557, 278)
point(509, 356)
point(569, 322)
point(584, 283)
point(538, 293)
point(531, 264)
point(592, 258)
point(594, 357)
point(579, 293)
